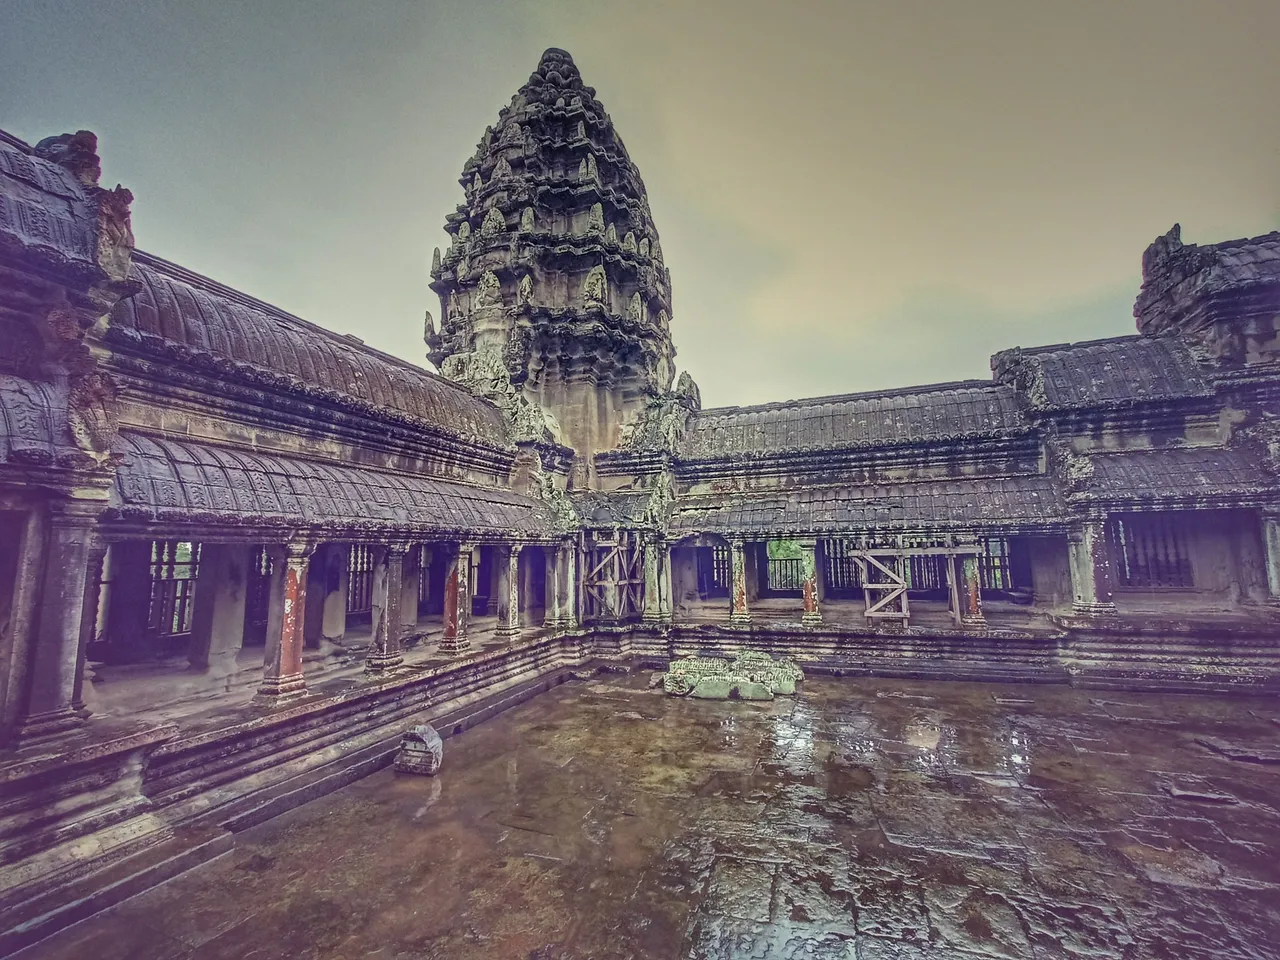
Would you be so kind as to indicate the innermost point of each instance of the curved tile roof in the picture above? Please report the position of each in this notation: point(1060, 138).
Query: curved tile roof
point(208, 319)
point(1120, 371)
point(33, 422)
point(947, 411)
point(43, 207)
point(977, 503)
point(1213, 475)
point(161, 480)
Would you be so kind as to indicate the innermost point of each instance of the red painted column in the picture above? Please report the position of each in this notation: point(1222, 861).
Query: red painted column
point(282, 678)
point(457, 600)
point(809, 582)
point(739, 612)
point(971, 592)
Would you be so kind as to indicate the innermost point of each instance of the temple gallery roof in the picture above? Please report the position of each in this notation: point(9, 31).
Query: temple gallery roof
point(1120, 371)
point(930, 414)
point(166, 480)
point(1192, 476)
point(209, 322)
point(980, 502)
point(1178, 279)
point(43, 207)
point(33, 423)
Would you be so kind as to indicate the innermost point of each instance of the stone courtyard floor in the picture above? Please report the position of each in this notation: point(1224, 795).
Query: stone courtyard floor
point(865, 819)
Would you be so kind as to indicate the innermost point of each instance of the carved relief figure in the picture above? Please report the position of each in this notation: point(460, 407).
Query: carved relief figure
point(635, 309)
point(525, 289)
point(526, 220)
point(502, 169)
point(595, 287)
point(629, 242)
point(92, 413)
point(494, 223)
point(488, 292)
point(611, 234)
point(595, 220)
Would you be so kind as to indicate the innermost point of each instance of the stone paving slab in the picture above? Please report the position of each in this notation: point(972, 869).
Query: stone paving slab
point(866, 820)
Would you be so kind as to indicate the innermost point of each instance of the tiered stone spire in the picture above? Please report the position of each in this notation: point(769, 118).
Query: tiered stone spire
point(554, 272)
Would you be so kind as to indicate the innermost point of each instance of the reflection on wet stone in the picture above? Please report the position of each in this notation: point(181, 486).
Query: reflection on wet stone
point(868, 820)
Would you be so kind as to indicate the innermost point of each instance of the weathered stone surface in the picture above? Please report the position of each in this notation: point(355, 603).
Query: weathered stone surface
point(421, 751)
point(752, 676)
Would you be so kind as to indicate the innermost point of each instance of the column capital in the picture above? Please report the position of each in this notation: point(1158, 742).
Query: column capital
point(298, 549)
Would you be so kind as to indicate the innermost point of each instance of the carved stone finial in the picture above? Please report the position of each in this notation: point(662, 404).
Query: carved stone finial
point(435, 262)
point(664, 321)
point(688, 392)
point(526, 220)
point(524, 291)
point(464, 231)
point(488, 292)
point(92, 413)
point(629, 242)
point(476, 182)
point(644, 246)
point(582, 130)
point(428, 326)
point(593, 172)
point(1160, 250)
point(635, 309)
point(494, 223)
point(611, 234)
point(76, 152)
point(595, 288)
point(595, 219)
point(582, 169)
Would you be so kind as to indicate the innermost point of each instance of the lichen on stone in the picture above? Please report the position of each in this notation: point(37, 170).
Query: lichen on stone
point(751, 676)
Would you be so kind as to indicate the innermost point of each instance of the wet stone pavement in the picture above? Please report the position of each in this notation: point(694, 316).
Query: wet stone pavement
point(866, 819)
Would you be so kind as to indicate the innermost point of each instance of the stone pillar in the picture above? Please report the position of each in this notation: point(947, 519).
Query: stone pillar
point(388, 583)
point(337, 580)
point(528, 595)
point(1090, 561)
point(508, 590)
point(282, 678)
point(1271, 544)
point(971, 591)
point(809, 582)
point(569, 584)
point(51, 706)
point(410, 585)
point(739, 612)
point(554, 590)
point(217, 613)
point(953, 590)
point(89, 616)
point(655, 564)
point(496, 570)
point(457, 600)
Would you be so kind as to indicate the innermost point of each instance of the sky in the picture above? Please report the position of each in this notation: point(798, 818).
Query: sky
point(851, 195)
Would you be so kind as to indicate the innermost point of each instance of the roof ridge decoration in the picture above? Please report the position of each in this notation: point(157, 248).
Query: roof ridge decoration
point(555, 266)
point(1222, 298)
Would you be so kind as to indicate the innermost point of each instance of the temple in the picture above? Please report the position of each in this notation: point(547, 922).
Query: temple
point(239, 552)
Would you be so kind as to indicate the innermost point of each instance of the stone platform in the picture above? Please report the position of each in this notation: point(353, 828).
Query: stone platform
point(864, 819)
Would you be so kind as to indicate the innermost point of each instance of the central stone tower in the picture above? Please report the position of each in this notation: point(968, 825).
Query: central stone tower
point(554, 298)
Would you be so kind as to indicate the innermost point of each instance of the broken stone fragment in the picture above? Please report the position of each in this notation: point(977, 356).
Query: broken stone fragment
point(752, 676)
point(421, 751)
